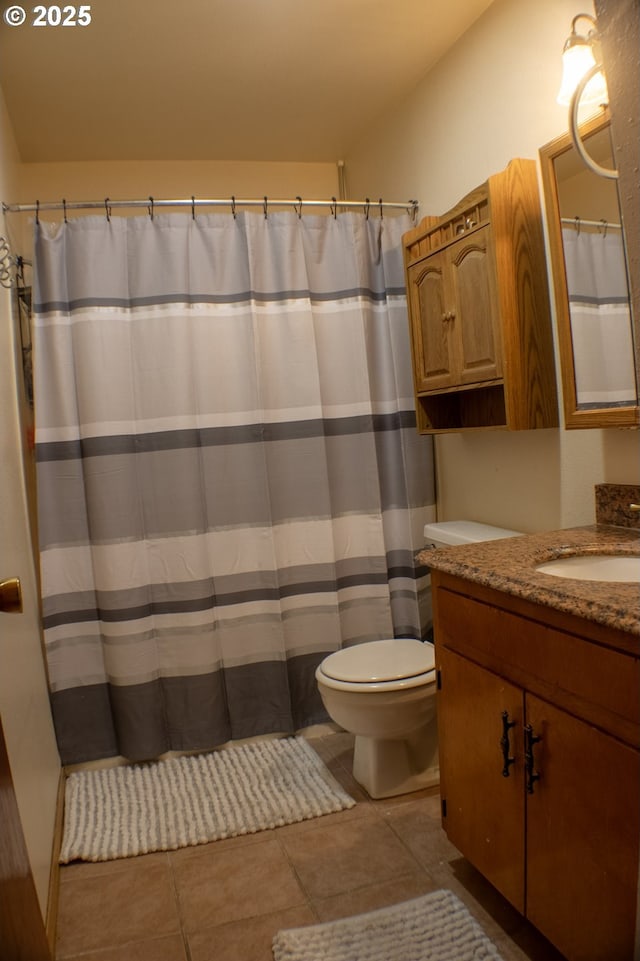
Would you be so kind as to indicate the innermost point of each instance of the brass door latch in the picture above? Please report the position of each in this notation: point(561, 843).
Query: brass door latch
point(11, 596)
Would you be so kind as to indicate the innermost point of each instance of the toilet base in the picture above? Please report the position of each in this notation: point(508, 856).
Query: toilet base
point(386, 768)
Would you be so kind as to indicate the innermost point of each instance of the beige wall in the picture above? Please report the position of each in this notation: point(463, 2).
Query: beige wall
point(24, 703)
point(490, 99)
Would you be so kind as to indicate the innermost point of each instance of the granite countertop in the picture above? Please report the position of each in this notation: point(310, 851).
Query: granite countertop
point(509, 565)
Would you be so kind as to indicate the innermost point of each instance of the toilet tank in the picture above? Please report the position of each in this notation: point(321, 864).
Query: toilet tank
point(449, 533)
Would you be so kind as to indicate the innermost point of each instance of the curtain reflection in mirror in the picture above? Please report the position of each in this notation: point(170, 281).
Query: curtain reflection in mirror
point(600, 317)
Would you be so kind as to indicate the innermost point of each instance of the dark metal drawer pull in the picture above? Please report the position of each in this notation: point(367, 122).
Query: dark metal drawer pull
point(504, 743)
point(529, 740)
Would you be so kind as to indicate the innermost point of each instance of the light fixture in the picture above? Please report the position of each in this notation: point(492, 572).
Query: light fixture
point(579, 56)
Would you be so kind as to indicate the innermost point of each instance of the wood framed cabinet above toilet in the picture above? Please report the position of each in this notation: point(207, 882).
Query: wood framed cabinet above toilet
point(478, 300)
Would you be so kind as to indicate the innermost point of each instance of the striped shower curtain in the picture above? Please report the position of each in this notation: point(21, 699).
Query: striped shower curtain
point(230, 483)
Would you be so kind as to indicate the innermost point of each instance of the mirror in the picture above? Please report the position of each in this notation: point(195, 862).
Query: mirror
point(589, 269)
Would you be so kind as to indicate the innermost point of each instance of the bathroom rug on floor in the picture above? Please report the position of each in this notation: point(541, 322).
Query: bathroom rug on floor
point(434, 927)
point(123, 811)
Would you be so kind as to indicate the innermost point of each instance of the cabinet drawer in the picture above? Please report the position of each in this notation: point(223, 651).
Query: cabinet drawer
point(592, 682)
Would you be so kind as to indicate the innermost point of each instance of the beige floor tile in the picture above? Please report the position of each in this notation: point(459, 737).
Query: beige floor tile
point(83, 870)
point(421, 832)
point(132, 901)
point(374, 896)
point(337, 858)
point(157, 949)
point(247, 940)
point(223, 886)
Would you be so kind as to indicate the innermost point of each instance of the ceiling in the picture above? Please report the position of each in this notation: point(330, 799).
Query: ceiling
point(295, 80)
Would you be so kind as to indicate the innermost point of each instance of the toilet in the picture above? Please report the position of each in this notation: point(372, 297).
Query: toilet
point(384, 692)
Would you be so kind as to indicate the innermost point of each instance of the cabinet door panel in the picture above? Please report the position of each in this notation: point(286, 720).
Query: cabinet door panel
point(583, 821)
point(431, 335)
point(476, 329)
point(484, 809)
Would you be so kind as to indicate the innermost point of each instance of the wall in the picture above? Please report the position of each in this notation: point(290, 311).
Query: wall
point(24, 703)
point(491, 98)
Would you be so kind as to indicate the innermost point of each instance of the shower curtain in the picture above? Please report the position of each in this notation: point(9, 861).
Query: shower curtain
point(600, 318)
point(230, 483)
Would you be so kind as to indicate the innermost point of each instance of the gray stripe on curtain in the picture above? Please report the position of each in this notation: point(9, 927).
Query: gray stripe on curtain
point(244, 297)
point(230, 483)
point(223, 436)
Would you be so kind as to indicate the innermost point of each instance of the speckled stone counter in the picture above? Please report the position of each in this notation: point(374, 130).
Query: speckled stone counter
point(509, 565)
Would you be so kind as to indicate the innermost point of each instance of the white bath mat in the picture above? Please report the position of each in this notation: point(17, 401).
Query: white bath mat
point(434, 927)
point(123, 811)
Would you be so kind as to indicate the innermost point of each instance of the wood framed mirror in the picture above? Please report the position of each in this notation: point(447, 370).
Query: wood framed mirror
point(590, 280)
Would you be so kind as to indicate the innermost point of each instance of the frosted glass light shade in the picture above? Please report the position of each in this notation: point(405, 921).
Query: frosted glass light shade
point(576, 60)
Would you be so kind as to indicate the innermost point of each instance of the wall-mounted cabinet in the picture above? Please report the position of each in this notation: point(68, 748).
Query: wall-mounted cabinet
point(479, 310)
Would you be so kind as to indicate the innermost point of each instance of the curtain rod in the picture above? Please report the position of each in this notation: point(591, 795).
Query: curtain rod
point(579, 222)
point(411, 206)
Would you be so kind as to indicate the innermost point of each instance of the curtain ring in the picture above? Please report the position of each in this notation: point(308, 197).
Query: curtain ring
point(605, 226)
point(193, 207)
point(233, 206)
point(264, 207)
point(37, 211)
point(64, 208)
point(334, 208)
point(380, 206)
point(298, 207)
point(412, 210)
point(366, 207)
point(576, 221)
point(107, 210)
point(150, 208)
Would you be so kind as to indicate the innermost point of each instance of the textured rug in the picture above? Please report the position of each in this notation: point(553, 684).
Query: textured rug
point(434, 927)
point(123, 811)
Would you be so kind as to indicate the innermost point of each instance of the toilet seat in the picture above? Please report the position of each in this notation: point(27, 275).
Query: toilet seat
point(380, 665)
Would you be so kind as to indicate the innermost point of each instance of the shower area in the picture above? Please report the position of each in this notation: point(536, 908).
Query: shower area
point(230, 485)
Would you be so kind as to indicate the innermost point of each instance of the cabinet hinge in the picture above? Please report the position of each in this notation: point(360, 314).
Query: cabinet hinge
point(438, 680)
point(443, 806)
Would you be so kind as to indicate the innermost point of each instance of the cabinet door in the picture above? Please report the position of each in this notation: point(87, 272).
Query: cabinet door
point(475, 308)
point(484, 809)
point(431, 327)
point(583, 821)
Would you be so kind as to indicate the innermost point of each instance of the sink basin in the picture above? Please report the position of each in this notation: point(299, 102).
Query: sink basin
point(595, 567)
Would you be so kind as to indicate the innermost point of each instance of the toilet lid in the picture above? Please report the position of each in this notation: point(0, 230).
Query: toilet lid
point(391, 660)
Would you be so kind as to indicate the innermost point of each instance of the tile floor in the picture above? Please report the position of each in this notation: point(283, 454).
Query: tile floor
point(224, 901)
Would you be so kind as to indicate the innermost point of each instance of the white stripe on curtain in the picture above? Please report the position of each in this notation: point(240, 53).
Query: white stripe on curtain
point(230, 483)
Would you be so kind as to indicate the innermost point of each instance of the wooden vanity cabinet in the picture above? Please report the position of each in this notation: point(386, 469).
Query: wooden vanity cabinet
point(539, 723)
point(479, 310)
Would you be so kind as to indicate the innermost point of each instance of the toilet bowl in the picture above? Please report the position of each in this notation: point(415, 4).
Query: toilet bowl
point(384, 692)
